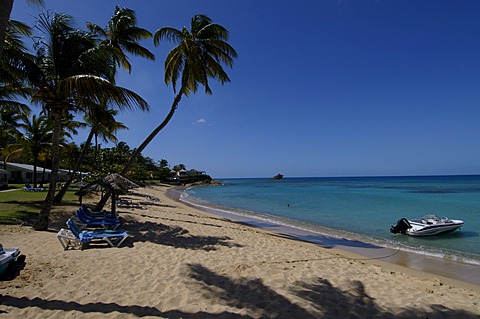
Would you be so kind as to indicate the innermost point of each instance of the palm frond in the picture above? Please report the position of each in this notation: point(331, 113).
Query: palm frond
point(167, 33)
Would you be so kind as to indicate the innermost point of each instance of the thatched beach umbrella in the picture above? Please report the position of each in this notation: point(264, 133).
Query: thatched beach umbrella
point(114, 182)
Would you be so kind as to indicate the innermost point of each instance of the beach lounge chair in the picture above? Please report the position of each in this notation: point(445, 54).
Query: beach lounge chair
point(102, 214)
point(29, 188)
point(97, 221)
point(7, 256)
point(127, 203)
point(74, 237)
point(91, 214)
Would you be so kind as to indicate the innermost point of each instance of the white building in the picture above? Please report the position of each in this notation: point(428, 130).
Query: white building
point(23, 173)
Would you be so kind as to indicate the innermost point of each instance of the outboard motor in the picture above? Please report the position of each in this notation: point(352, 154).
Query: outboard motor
point(401, 226)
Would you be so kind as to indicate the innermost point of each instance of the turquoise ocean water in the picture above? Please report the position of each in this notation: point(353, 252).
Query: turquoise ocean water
point(359, 208)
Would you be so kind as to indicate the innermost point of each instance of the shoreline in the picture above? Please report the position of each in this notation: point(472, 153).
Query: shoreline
point(182, 262)
point(450, 269)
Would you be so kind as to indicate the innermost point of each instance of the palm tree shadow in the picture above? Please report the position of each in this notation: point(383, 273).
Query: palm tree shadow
point(98, 308)
point(176, 236)
point(319, 299)
point(243, 293)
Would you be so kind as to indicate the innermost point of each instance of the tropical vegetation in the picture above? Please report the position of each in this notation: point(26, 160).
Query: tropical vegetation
point(70, 72)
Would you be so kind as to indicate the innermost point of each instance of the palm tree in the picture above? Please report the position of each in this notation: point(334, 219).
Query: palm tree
point(12, 79)
point(122, 35)
point(11, 114)
point(37, 139)
point(198, 56)
point(12, 87)
point(105, 126)
point(14, 59)
point(68, 75)
point(5, 10)
point(102, 122)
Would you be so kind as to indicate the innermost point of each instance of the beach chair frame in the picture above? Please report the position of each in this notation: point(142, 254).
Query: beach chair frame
point(113, 237)
point(68, 240)
point(74, 237)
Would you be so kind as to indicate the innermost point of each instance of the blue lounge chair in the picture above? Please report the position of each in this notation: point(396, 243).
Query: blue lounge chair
point(29, 188)
point(73, 237)
point(97, 221)
point(91, 214)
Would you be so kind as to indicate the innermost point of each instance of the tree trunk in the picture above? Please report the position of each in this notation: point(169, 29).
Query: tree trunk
point(95, 154)
point(42, 222)
point(44, 171)
point(5, 11)
point(154, 133)
point(58, 198)
point(35, 164)
point(142, 146)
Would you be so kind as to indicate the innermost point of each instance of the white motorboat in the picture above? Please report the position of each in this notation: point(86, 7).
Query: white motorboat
point(426, 226)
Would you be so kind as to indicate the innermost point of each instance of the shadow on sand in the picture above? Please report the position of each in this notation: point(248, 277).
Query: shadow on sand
point(177, 237)
point(318, 299)
point(253, 299)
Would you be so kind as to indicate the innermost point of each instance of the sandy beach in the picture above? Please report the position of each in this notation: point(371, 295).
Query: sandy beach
point(181, 262)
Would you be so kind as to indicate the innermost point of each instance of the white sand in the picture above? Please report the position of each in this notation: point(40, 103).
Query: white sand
point(184, 263)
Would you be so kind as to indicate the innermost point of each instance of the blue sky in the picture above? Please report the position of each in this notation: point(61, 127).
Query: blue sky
point(320, 88)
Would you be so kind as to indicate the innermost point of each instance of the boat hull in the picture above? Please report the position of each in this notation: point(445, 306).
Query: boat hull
point(431, 230)
point(428, 225)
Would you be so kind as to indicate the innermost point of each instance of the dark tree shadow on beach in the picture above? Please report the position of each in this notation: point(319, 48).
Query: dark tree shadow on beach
point(320, 299)
point(105, 308)
point(176, 219)
point(177, 237)
point(245, 293)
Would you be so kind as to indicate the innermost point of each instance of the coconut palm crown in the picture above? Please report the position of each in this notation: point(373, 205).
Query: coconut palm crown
point(122, 35)
point(198, 56)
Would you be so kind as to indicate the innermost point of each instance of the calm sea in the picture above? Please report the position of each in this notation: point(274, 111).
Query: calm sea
point(360, 208)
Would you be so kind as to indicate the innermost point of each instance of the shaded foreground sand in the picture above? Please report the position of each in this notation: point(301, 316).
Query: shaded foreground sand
point(180, 262)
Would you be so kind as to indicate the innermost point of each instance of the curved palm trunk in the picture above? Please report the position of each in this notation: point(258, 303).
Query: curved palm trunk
point(142, 146)
point(5, 11)
point(58, 198)
point(42, 222)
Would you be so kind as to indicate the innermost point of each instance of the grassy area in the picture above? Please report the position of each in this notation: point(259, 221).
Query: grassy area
point(18, 206)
